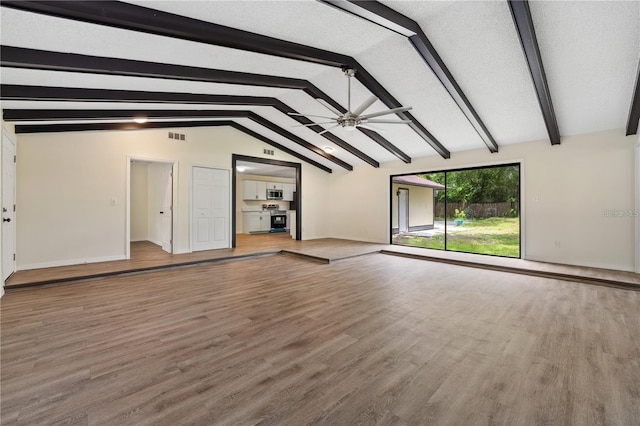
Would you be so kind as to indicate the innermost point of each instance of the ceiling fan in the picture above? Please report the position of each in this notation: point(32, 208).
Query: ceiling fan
point(351, 120)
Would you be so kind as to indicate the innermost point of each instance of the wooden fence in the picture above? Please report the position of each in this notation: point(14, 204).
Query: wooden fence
point(478, 210)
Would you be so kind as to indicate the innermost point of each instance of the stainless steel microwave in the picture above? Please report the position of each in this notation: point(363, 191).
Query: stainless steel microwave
point(274, 194)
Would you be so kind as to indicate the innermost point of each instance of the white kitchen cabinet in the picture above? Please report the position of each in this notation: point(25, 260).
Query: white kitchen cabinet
point(254, 190)
point(287, 191)
point(274, 185)
point(254, 222)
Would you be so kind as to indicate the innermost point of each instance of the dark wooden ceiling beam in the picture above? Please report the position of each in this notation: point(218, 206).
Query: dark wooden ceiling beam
point(634, 109)
point(367, 79)
point(152, 21)
point(67, 94)
point(46, 128)
point(18, 57)
point(527, 34)
point(390, 19)
point(18, 115)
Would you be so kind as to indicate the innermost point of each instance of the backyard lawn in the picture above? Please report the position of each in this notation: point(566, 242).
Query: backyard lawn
point(498, 236)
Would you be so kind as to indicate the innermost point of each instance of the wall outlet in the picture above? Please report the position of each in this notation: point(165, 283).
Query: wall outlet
point(557, 244)
point(113, 202)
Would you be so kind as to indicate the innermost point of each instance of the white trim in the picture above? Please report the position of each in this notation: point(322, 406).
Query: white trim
point(174, 207)
point(637, 190)
point(70, 262)
point(622, 268)
point(1, 291)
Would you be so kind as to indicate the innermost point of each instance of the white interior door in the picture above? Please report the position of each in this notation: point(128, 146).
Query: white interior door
point(403, 210)
point(211, 213)
point(167, 209)
point(8, 207)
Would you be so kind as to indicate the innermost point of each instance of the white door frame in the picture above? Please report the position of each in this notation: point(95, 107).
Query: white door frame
point(7, 138)
point(174, 212)
point(231, 207)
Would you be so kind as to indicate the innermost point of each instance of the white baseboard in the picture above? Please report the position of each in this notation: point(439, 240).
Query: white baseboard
point(1, 291)
point(592, 265)
point(69, 262)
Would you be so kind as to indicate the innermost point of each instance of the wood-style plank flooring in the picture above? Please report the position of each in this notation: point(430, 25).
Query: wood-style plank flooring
point(281, 340)
point(146, 255)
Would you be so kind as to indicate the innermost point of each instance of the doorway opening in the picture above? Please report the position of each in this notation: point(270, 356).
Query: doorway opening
point(266, 201)
point(152, 195)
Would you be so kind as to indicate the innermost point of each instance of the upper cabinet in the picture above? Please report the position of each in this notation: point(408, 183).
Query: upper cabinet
point(287, 191)
point(257, 190)
point(254, 190)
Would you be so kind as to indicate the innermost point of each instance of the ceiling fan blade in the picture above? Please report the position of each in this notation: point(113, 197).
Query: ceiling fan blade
point(383, 121)
point(369, 127)
point(365, 105)
point(295, 114)
point(328, 106)
point(391, 111)
point(314, 124)
point(326, 130)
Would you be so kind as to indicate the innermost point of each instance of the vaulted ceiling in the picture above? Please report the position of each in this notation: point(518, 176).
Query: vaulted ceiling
point(478, 74)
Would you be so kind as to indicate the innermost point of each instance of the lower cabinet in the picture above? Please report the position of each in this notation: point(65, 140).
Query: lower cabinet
point(253, 222)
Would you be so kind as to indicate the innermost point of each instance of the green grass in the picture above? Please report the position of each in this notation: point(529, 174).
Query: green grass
point(496, 236)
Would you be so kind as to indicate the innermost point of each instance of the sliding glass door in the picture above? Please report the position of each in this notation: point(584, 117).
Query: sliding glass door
point(473, 210)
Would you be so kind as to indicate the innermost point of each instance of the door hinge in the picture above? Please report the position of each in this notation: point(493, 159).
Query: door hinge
point(15, 158)
point(14, 208)
point(14, 257)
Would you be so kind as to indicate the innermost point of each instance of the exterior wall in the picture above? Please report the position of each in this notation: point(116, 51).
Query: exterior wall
point(72, 189)
point(420, 205)
point(565, 192)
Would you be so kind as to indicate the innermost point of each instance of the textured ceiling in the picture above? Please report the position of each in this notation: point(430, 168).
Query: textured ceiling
point(590, 52)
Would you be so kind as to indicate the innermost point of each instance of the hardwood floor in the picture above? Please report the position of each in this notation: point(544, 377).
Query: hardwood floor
point(146, 255)
point(373, 339)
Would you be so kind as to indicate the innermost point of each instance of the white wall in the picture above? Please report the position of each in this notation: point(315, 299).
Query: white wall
point(139, 202)
point(566, 190)
point(67, 183)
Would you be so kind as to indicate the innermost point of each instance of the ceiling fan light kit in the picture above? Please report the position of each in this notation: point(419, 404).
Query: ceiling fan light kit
point(351, 120)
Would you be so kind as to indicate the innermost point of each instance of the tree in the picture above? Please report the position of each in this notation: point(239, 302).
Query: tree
point(498, 184)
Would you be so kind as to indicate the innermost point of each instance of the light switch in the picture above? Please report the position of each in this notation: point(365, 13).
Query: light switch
point(113, 202)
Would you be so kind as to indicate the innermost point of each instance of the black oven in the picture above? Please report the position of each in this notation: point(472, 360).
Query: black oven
point(278, 221)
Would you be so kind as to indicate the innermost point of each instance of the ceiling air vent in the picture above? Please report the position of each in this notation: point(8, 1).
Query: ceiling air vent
point(177, 136)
